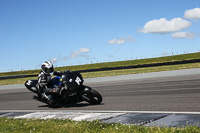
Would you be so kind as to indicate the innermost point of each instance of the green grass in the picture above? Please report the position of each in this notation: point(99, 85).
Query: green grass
point(141, 70)
point(113, 64)
point(68, 126)
point(114, 72)
point(54, 125)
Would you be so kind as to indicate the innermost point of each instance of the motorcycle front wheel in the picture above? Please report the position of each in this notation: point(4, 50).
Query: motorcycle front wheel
point(92, 96)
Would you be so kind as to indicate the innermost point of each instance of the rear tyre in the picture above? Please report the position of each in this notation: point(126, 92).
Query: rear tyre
point(92, 97)
point(54, 103)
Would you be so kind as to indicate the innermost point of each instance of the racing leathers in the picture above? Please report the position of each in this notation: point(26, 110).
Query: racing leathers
point(44, 84)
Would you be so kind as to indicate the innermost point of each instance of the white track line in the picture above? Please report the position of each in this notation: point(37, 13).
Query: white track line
point(102, 111)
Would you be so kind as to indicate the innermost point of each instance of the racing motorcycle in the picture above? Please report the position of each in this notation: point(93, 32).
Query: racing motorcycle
point(70, 89)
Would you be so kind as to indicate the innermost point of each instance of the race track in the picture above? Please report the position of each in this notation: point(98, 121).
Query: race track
point(167, 92)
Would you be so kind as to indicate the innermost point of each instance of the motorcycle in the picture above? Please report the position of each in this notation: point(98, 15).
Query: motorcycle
point(70, 89)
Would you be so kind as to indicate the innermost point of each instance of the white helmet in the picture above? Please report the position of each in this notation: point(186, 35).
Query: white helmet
point(47, 68)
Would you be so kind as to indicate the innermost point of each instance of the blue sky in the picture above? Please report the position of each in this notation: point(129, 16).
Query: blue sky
point(73, 32)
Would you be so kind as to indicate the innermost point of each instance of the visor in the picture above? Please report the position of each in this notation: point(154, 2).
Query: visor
point(50, 70)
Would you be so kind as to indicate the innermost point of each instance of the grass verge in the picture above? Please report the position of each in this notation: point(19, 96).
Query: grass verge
point(113, 64)
point(115, 72)
point(56, 125)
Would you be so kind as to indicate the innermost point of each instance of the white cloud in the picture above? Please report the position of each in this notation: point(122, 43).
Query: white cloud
point(117, 41)
point(162, 25)
point(80, 51)
point(54, 60)
point(73, 55)
point(122, 40)
point(192, 13)
point(183, 35)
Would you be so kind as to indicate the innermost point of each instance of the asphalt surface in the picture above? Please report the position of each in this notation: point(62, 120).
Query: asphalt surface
point(153, 99)
point(163, 91)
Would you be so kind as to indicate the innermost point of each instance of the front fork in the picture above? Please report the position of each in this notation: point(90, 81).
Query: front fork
point(84, 95)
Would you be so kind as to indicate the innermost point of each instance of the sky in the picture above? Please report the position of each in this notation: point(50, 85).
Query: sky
point(78, 32)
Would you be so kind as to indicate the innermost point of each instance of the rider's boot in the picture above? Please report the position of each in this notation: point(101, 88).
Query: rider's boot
point(47, 97)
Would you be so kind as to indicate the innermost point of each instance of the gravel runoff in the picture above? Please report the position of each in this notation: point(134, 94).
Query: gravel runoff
point(125, 77)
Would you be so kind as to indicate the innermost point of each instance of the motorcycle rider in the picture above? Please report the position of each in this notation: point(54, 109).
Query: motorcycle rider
point(44, 79)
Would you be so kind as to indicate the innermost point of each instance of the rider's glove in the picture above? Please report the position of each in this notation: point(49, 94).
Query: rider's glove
point(55, 90)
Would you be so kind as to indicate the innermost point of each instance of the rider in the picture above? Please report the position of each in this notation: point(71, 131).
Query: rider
point(44, 79)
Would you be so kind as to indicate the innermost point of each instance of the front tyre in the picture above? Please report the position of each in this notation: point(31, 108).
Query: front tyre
point(92, 96)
